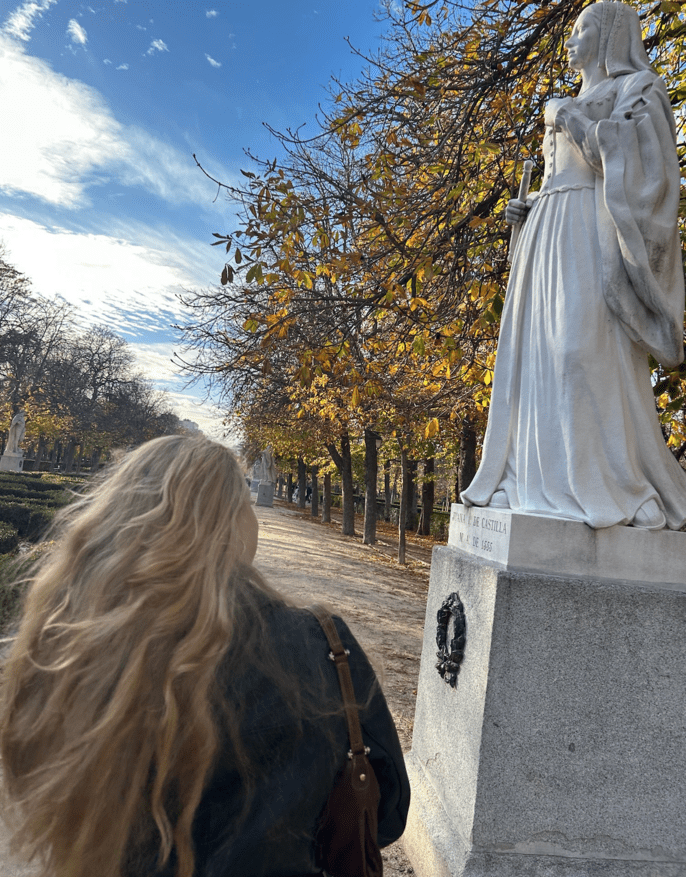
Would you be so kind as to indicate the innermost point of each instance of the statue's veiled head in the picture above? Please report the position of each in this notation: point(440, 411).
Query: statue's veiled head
point(620, 49)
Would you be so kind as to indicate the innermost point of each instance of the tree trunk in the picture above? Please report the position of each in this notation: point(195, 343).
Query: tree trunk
point(427, 497)
point(40, 453)
point(315, 492)
point(290, 487)
point(302, 483)
point(343, 461)
point(404, 497)
point(68, 460)
point(467, 466)
point(326, 505)
point(95, 460)
point(412, 514)
point(371, 471)
point(387, 490)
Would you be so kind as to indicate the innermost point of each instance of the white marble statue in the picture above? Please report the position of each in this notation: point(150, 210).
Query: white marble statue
point(268, 472)
point(596, 284)
point(16, 434)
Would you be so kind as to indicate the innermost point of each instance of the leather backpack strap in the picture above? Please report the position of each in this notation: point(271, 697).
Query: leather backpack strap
point(339, 655)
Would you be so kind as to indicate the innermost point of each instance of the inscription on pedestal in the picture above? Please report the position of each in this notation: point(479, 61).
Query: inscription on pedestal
point(483, 532)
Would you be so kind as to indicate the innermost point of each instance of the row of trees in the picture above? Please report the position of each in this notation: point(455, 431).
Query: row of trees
point(79, 389)
point(366, 274)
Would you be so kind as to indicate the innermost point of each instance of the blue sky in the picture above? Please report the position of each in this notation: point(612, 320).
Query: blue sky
point(103, 104)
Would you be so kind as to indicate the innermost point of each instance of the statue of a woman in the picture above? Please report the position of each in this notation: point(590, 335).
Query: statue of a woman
point(596, 284)
point(268, 472)
point(16, 433)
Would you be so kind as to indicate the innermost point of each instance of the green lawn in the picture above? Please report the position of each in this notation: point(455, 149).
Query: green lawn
point(28, 504)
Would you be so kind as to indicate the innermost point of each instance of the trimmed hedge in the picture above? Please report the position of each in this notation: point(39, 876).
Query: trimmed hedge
point(13, 584)
point(30, 519)
point(9, 538)
point(27, 480)
point(11, 601)
point(28, 503)
point(47, 484)
point(28, 493)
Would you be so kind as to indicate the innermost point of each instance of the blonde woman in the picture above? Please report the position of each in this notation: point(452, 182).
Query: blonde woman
point(164, 710)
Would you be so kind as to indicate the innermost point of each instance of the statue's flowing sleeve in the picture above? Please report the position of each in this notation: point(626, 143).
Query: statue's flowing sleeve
point(637, 203)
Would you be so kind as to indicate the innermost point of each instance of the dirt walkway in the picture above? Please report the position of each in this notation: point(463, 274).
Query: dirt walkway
point(383, 604)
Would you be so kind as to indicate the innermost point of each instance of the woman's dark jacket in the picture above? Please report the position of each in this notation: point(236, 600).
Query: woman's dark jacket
point(297, 768)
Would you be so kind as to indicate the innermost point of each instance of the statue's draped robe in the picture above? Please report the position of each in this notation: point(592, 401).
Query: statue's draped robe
point(596, 284)
point(16, 434)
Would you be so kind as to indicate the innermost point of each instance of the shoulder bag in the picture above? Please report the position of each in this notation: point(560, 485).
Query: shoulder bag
point(346, 841)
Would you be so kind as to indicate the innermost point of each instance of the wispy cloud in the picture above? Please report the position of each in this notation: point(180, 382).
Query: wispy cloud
point(213, 62)
point(123, 67)
point(211, 13)
point(102, 274)
point(22, 21)
point(157, 46)
point(71, 141)
point(77, 33)
point(106, 61)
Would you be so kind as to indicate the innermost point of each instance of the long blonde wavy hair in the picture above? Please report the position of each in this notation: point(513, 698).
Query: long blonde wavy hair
point(108, 705)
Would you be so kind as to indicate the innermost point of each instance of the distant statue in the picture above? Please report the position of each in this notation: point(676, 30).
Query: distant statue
point(596, 284)
point(16, 434)
point(268, 471)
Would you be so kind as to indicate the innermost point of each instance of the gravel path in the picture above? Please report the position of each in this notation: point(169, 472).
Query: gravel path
point(383, 604)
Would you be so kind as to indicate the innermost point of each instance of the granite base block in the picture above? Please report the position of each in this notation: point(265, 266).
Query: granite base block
point(562, 750)
point(265, 494)
point(12, 463)
point(435, 849)
point(511, 540)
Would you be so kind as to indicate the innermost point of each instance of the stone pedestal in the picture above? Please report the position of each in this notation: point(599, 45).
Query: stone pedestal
point(12, 462)
point(562, 750)
point(265, 494)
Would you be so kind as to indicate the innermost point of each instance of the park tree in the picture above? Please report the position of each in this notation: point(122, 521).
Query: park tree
point(77, 387)
point(15, 291)
point(32, 333)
